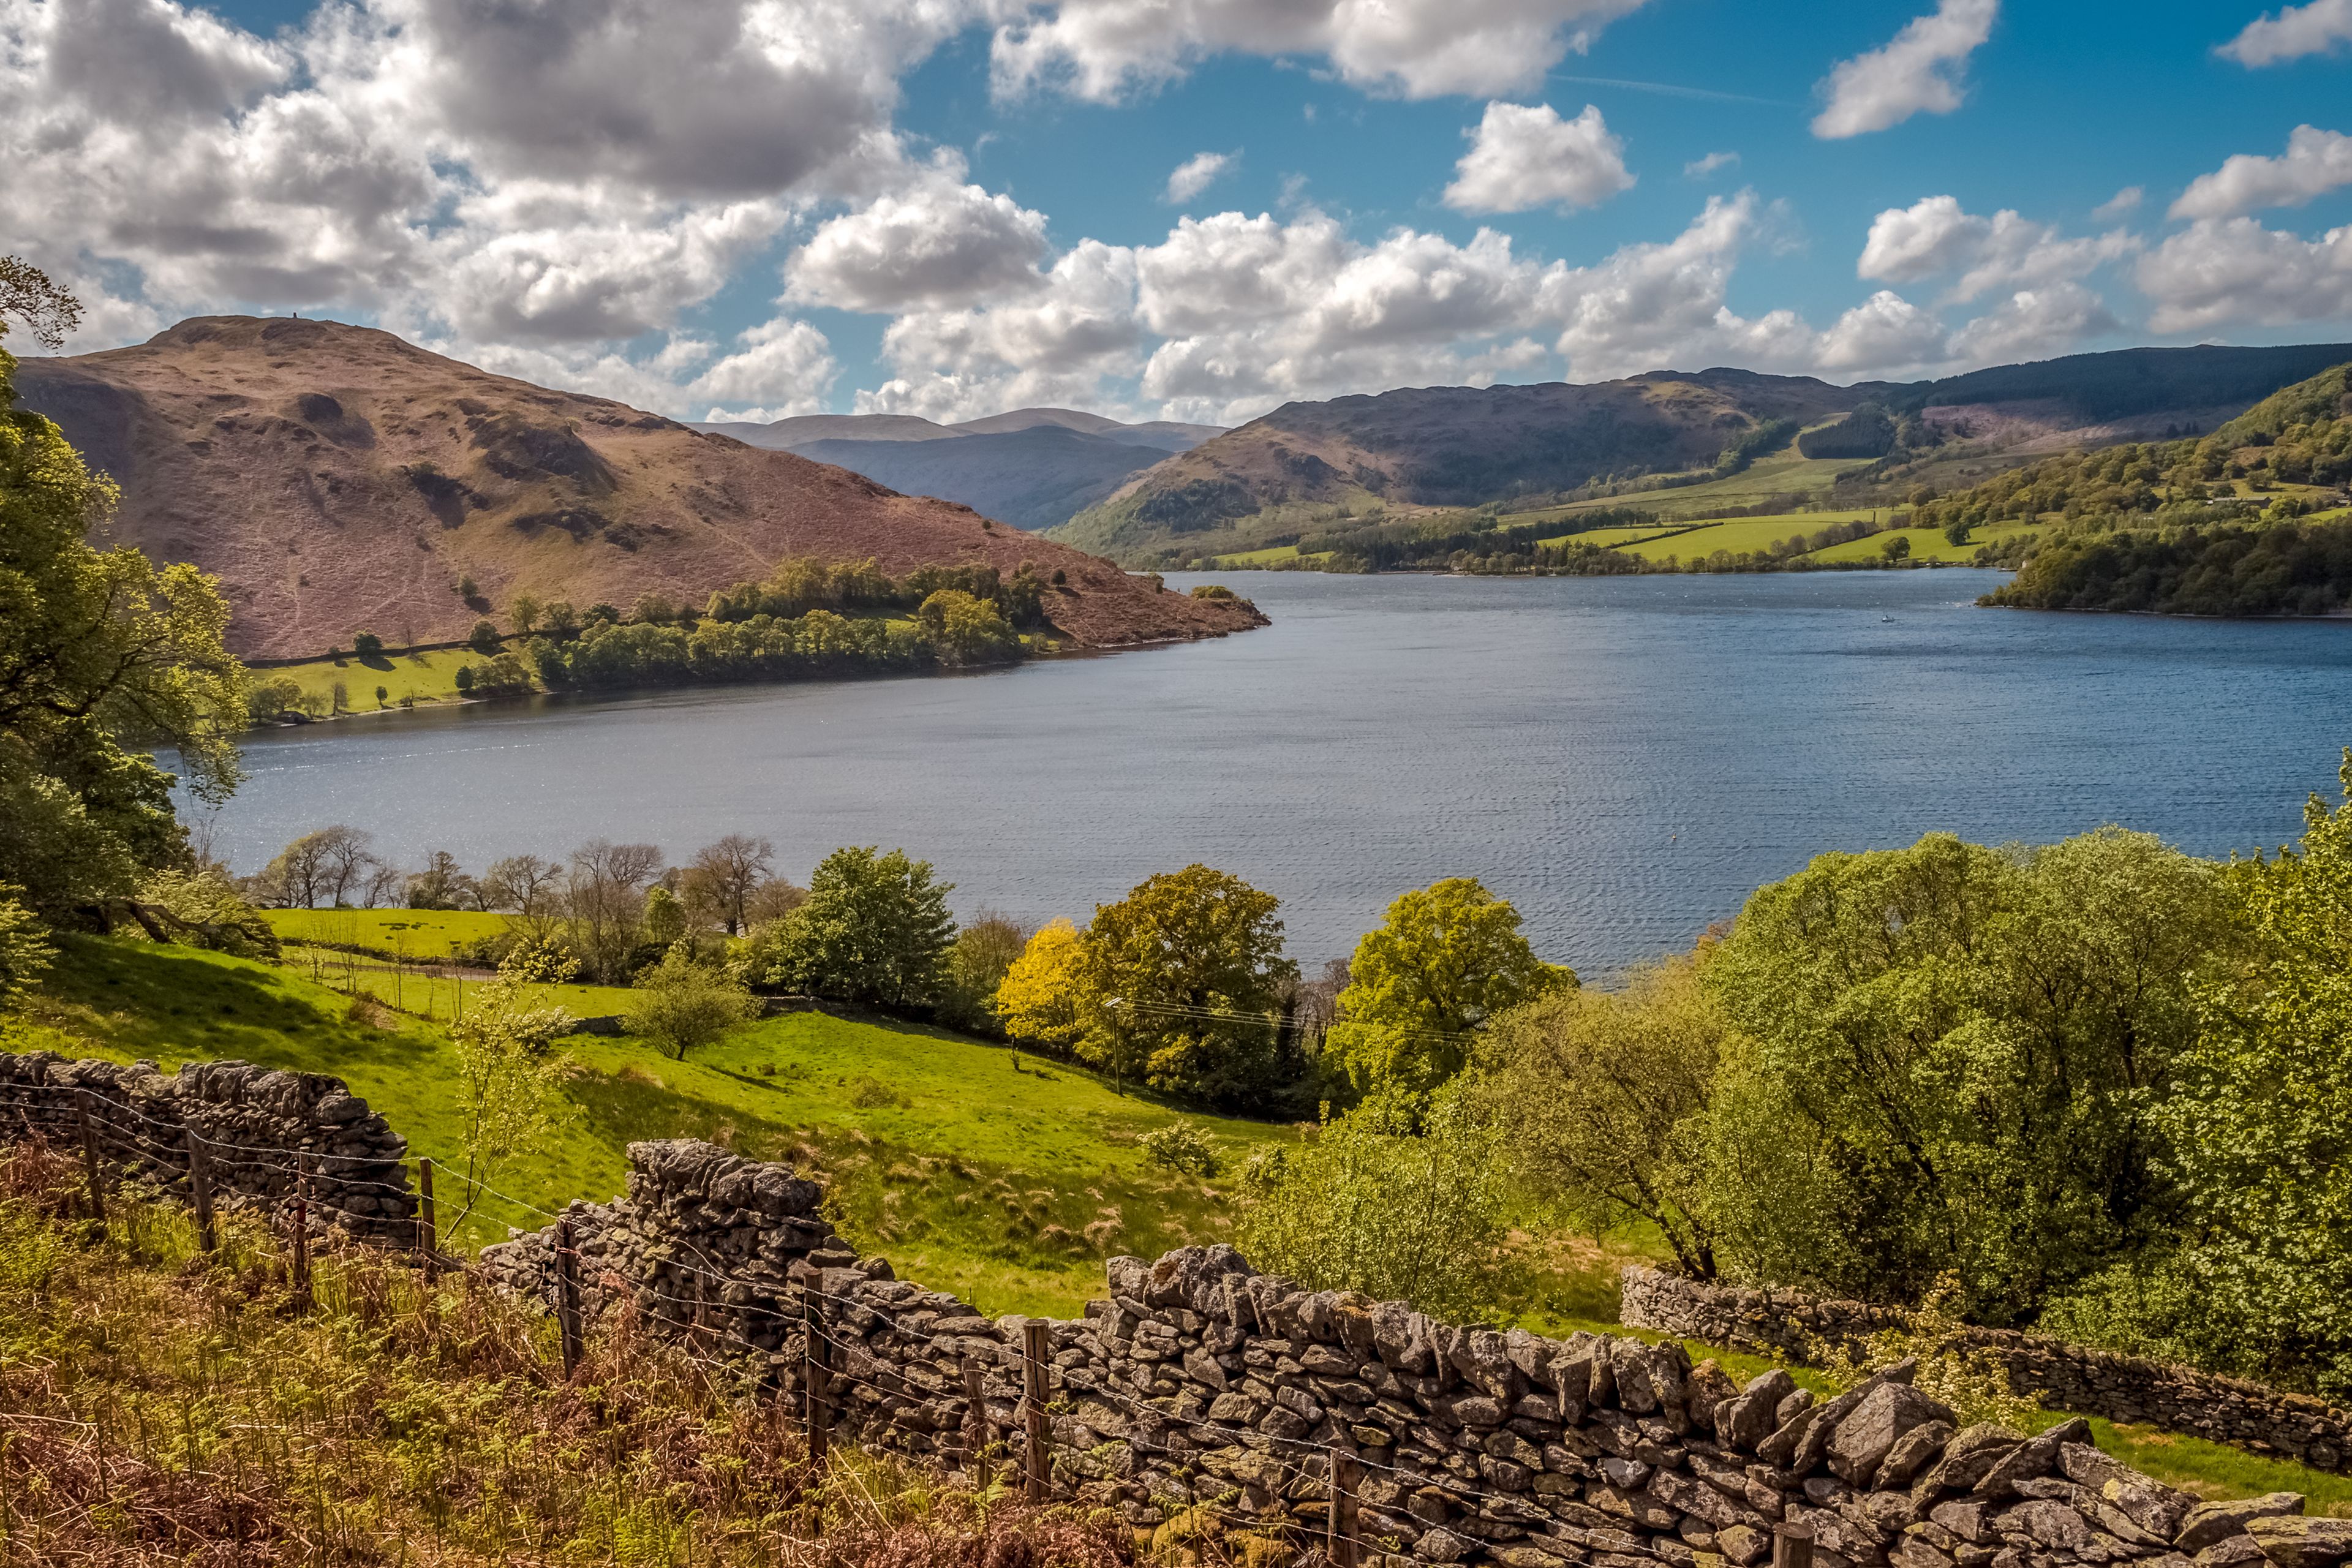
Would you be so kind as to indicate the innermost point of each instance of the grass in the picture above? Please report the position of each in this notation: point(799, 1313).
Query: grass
point(428, 934)
point(1785, 473)
point(1267, 557)
point(1009, 1186)
point(1605, 537)
point(162, 1405)
point(1927, 544)
point(419, 677)
point(1738, 535)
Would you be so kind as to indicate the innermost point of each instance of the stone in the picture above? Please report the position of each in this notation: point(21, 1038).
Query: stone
point(2159, 1509)
point(1913, 1453)
point(2029, 1460)
point(1441, 1545)
point(1743, 1544)
point(2239, 1550)
point(1871, 1430)
point(1708, 1390)
point(2295, 1543)
point(1969, 1520)
point(2209, 1522)
point(1912, 1551)
point(1748, 1418)
point(2054, 1524)
point(1968, 1459)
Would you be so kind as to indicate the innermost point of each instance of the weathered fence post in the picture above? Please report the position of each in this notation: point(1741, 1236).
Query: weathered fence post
point(1342, 1547)
point(89, 1157)
point(1037, 1462)
point(200, 1187)
point(1792, 1546)
point(302, 1231)
point(567, 1295)
point(976, 1434)
point(816, 1379)
point(428, 1225)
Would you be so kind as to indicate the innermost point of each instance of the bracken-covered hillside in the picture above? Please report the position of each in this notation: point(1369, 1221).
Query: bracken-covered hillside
point(339, 479)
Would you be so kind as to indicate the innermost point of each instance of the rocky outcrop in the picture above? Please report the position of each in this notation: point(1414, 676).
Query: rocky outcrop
point(1200, 1383)
point(1803, 1329)
point(253, 1119)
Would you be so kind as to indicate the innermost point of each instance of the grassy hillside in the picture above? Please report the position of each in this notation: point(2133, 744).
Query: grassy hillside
point(1006, 1183)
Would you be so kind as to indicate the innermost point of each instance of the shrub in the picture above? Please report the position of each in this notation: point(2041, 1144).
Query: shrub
point(1181, 1146)
point(484, 639)
point(681, 1003)
point(1974, 1383)
point(465, 680)
point(367, 644)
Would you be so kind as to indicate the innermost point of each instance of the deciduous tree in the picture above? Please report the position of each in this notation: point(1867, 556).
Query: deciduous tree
point(1447, 958)
point(875, 929)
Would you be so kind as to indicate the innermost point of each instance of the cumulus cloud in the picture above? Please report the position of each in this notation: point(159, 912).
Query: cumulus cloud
point(1524, 156)
point(2031, 322)
point(2122, 203)
point(1197, 173)
point(2221, 272)
point(1056, 347)
point(1106, 50)
point(2297, 31)
point(1700, 168)
point(1917, 73)
point(2316, 162)
point(937, 243)
point(1936, 236)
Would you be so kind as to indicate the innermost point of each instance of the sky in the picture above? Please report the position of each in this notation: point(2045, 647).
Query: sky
point(1189, 209)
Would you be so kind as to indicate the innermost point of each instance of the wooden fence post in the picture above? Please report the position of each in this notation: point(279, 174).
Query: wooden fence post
point(817, 1378)
point(302, 1231)
point(428, 1226)
point(1038, 1462)
point(89, 1157)
point(977, 1438)
point(200, 1187)
point(1792, 1546)
point(567, 1295)
point(1343, 1548)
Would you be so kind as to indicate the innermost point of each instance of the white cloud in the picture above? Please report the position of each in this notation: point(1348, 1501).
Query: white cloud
point(1936, 236)
point(1054, 347)
point(1700, 168)
point(784, 367)
point(2032, 323)
point(2316, 162)
point(1197, 173)
point(2221, 272)
point(2297, 31)
point(2122, 203)
point(1917, 73)
point(937, 243)
point(1104, 49)
point(1525, 156)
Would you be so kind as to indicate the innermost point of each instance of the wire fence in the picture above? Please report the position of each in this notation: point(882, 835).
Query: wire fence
point(1321, 1470)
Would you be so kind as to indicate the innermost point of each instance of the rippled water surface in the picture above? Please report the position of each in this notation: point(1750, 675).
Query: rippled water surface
point(1623, 758)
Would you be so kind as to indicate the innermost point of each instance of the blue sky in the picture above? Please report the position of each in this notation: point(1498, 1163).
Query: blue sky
point(760, 208)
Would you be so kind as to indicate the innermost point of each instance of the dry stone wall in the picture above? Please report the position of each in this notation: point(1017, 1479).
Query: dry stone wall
point(254, 1122)
point(1200, 1385)
point(1802, 1328)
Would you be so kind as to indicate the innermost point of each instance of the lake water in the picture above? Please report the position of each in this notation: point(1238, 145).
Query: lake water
point(1623, 758)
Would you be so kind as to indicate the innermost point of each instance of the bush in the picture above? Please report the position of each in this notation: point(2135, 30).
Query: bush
point(1400, 1202)
point(367, 644)
point(682, 1003)
point(484, 639)
point(1181, 1147)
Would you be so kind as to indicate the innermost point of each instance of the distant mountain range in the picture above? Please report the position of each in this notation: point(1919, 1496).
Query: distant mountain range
point(1033, 467)
point(339, 479)
point(1462, 446)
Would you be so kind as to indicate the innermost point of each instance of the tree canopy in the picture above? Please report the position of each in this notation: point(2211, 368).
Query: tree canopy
point(875, 929)
point(103, 655)
point(1447, 958)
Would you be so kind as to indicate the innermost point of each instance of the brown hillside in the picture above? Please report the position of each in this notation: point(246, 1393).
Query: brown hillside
point(339, 479)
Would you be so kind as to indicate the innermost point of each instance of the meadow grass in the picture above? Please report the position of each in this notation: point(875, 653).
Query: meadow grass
point(420, 677)
point(1607, 538)
point(1785, 473)
point(1008, 1187)
point(1267, 557)
point(1927, 544)
point(428, 934)
point(1739, 535)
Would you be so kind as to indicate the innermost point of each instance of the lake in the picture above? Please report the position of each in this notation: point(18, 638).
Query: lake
point(1623, 758)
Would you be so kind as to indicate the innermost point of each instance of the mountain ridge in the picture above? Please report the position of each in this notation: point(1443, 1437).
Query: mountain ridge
point(339, 479)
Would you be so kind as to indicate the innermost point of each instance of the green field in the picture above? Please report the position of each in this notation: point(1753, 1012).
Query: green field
point(417, 934)
point(1785, 473)
point(1606, 538)
point(1741, 535)
point(973, 1174)
point(1927, 544)
point(1267, 557)
point(420, 676)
